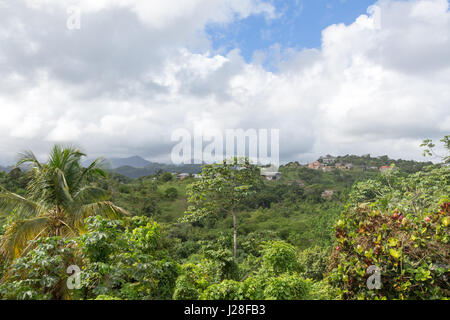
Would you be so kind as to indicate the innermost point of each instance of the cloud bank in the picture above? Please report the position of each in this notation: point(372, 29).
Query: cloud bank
point(137, 70)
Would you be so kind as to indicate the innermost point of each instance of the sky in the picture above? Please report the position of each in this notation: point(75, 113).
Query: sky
point(335, 76)
point(298, 25)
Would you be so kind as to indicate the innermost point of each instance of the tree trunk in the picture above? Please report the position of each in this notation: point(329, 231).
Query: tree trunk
point(234, 236)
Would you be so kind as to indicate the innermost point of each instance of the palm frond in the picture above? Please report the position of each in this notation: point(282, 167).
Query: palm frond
point(105, 209)
point(15, 239)
point(62, 191)
point(59, 198)
point(22, 207)
point(63, 157)
point(30, 158)
point(96, 168)
point(90, 194)
point(39, 186)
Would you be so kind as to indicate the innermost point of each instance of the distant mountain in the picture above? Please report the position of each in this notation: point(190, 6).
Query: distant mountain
point(135, 161)
point(132, 172)
point(136, 167)
point(154, 168)
point(6, 169)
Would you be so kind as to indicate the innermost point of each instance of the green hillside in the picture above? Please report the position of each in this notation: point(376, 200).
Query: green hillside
point(307, 235)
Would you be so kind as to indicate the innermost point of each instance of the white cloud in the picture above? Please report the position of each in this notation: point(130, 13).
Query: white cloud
point(122, 83)
point(65, 130)
point(162, 14)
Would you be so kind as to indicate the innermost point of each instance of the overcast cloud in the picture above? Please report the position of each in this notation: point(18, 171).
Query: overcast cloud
point(138, 69)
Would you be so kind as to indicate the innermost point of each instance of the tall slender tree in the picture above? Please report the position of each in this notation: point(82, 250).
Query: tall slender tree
point(60, 194)
point(221, 189)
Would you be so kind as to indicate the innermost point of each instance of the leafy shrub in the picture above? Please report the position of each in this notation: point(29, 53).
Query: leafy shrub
point(106, 297)
point(404, 232)
point(165, 177)
point(171, 193)
point(150, 208)
point(225, 290)
point(279, 257)
point(189, 283)
point(313, 262)
point(196, 278)
point(126, 260)
point(286, 287)
point(252, 288)
point(253, 242)
point(40, 273)
point(124, 188)
point(276, 278)
point(320, 290)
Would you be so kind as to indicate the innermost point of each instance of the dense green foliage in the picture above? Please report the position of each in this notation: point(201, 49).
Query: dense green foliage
point(292, 241)
point(275, 276)
point(126, 259)
point(41, 272)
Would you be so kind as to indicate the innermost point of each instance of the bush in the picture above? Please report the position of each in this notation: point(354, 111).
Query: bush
point(171, 193)
point(41, 273)
point(225, 290)
point(190, 283)
point(126, 259)
point(313, 262)
point(321, 290)
point(279, 257)
point(106, 297)
point(404, 232)
point(252, 288)
point(286, 287)
point(165, 177)
point(276, 278)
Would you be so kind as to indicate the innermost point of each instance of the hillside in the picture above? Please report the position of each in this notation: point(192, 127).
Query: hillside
point(137, 167)
point(6, 169)
point(291, 232)
point(154, 168)
point(134, 161)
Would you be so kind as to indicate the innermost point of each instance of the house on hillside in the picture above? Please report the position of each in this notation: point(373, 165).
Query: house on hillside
point(316, 165)
point(182, 176)
point(344, 166)
point(388, 168)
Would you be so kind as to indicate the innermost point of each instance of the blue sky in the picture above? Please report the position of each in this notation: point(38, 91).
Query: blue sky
point(299, 25)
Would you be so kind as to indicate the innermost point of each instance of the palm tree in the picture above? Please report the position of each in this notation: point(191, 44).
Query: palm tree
point(59, 196)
